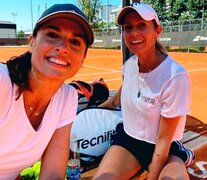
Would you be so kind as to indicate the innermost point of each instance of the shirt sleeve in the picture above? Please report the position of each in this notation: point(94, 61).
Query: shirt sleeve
point(70, 107)
point(5, 82)
point(176, 96)
point(5, 89)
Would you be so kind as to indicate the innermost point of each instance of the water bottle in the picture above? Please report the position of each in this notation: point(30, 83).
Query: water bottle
point(73, 166)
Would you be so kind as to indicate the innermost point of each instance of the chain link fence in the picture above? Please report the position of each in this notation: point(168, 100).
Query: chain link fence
point(186, 33)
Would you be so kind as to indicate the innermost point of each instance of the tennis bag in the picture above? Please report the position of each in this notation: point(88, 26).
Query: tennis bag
point(93, 128)
point(90, 94)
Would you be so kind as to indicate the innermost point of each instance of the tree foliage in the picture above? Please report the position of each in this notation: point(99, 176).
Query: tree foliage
point(91, 9)
point(20, 34)
point(168, 10)
point(172, 10)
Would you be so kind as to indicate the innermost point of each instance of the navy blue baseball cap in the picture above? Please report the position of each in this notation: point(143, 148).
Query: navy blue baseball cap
point(69, 11)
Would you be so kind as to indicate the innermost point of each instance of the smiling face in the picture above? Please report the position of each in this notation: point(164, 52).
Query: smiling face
point(140, 35)
point(58, 50)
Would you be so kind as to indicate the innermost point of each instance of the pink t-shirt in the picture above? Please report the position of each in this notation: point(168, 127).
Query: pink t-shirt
point(20, 144)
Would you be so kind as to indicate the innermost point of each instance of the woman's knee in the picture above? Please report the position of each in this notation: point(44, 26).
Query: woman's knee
point(104, 176)
point(117, 162)
point(174, 169)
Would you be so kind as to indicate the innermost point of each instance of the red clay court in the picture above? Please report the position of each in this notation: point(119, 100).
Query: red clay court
point(101, 63)
point(107, 64)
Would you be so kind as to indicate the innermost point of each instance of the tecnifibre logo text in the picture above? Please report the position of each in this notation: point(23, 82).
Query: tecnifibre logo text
point(85, 143)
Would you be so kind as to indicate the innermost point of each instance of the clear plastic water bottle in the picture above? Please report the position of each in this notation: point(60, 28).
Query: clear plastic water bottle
point(73, 166)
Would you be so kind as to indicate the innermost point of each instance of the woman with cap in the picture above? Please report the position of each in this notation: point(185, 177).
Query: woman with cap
point(154, 97)
point(37, 107)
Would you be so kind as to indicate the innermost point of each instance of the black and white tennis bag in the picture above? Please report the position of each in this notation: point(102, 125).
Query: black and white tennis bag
point(90, 94)
point(93, 128)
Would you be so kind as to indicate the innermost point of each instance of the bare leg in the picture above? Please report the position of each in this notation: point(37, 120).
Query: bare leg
point(174, 170)
point(118, 163)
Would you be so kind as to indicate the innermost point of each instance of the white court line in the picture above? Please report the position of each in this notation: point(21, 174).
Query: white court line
point(107, 80)
point(190, 65)
point(116, 71)
point(193, 62)
point(94, 67)
point(116, 79)
point(196, 70)
point(92, 74)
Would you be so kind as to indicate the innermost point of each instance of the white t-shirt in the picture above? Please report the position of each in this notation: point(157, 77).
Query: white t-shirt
point(164, 91)
point(20, 144)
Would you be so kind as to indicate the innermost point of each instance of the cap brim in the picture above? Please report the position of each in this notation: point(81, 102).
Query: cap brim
point(74, 16)
point(143, 12)
point(123, 13)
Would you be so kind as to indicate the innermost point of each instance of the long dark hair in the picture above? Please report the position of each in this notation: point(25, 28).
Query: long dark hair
point(19, 68)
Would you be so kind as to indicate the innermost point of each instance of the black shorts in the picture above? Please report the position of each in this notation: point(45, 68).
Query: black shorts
point(143, 151)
